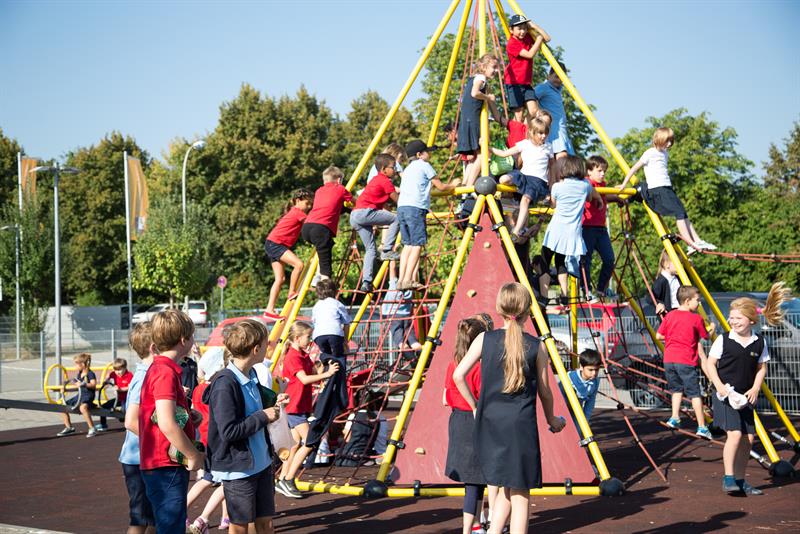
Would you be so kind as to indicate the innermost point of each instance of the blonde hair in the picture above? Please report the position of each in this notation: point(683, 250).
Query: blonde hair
point(140, 338)
point(543, 115)
point(298, 329)
point(242, 337)
point(331, 174)
point(170, 327)
point(468, 330)
point(84, 358)
point(664, 260)
point(399, 153)
point(513, 303)
point(537, 125)
point(773, 314)
point(484, 61)
point(662, 137)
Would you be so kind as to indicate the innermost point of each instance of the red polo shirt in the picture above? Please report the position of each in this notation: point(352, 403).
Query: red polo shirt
point(519, 70)
point(299, 394)
point(592, 215)
point(517, 131)
point(121, 382)
point(328, 202)
point(376, 194)
point(288, 228)
point(452, 396)
point(682, 331)
point(162, 381)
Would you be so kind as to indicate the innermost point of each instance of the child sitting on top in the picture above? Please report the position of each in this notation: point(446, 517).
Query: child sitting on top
point(584, 380)
point(120, 379)
point(85, 383)
point(412, 208)
point(521, 48)
point(322, 222)
point(658, 192)
point(278, 247)
point(368, 213)
point(681, 332)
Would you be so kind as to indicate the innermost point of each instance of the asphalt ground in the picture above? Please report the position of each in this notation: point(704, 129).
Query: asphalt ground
point(74, 484)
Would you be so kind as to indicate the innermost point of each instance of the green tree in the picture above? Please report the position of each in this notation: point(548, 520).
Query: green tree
point(170, 257)
point(8, 169)
point(782, 171)
point(93, 221)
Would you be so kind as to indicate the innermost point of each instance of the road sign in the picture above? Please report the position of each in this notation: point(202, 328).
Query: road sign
point(222, 282)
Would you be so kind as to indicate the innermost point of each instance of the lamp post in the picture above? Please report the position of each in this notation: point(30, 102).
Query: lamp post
point(15, 228)
point(57, 169)
point(197, 145)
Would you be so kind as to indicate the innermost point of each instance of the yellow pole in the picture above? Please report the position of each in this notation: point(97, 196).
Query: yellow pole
point(437, 117)
point(290, 319)
point(485, 106)
point(544, 332)
point(573, 319)
point(403, 92)
point(277, 328)
point(416, 379)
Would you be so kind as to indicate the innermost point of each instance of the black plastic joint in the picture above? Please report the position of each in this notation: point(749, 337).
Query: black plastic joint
point(586, 441)
point(398, 444)
point(671, 237)
point(546, 336)
point(496, 227)
point(435, 340)
point(475, 227)
point(417, 487)
point(568, 486)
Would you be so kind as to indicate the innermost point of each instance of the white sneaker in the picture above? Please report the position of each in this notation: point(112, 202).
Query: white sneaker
point(708, 246)
point(91, 433)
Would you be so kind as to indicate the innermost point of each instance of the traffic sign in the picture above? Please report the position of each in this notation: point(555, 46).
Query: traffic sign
point(222, 282)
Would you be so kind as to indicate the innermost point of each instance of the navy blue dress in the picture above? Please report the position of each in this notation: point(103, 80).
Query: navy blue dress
point(469, 121)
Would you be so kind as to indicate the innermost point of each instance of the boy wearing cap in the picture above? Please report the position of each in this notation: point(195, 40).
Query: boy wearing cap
point(412, 208)
point(519, 70)
point(548, 93)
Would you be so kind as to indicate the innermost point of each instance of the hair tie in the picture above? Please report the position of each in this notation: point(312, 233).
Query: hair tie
point(760, 310)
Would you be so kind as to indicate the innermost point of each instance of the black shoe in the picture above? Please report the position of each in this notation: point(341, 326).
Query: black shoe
point(750, 490)
point(367, 287)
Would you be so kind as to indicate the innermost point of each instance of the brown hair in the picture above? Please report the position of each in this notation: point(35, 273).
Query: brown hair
point(687, 292)
point(384, 160)
point(140, 338)
point(664, 260)
point(594, 162)
point(486, 319)
point(327, 289)
point(170, 327)
point(569, 167)
point(331, 174)
point(83, 358)
point(120, 363)
point(297, 196)
point(513, 303)
point(399, 153)
point(468, 330)
point(662, 137)
point(537, 125)
point(773, 314)
point(484, 61)
point(242, 337)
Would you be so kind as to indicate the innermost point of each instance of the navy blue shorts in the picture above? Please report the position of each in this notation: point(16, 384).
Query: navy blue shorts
point(412, 225)
point(665, 202)
point(296, 419)
point(141, 511)
point(519, 94)
point(529, 186)
point(250, 498)
point(682, 378)
point(274, 250)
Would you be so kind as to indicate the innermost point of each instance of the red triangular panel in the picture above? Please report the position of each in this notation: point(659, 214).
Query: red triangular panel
point(485, 272)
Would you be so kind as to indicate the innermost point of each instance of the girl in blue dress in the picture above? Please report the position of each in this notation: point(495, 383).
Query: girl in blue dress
point(564, 236)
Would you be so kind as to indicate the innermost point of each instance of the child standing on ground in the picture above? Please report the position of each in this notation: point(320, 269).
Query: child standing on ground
point(469, 122)
point(548, 93)
point(141, 512)
point(120, 378)
point(162, 399)
point(278, 247)
point(739, 359)
point(85, 383)
point(532, 179)
point(298, 370)
point(595, 233)
point(658, 192)
point(514, 369)
point(584, 380)
point(665, 286)
point(521, 49)
point(238, 444)
point(412, 208)
point(368, 214)
point(322, 222)
point(564, 237)
point(462, 462)
point(681, 332)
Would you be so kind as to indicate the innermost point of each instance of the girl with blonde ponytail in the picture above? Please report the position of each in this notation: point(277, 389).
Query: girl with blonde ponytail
point(506, 437)
point(737, 366)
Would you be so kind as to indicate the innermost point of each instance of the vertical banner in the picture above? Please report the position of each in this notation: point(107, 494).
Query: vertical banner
point(137, 182)
point(27, 179)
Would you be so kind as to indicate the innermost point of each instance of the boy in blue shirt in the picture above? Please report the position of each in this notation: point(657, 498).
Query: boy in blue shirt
point(412, 208)
point(238, 447)
point(584, 380)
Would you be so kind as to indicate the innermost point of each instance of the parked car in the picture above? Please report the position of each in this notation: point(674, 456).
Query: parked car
point(148, 314)
point(198, 311)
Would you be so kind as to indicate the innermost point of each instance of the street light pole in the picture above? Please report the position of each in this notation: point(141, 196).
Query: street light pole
point(197, 145)
point(18, 299)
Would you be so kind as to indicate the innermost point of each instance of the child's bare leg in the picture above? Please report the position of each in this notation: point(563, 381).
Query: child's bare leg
point(677, 397)
point(299, 433)
point(264, 525)
point(280, 277)
point(491, 496)
point(505, 179)
point(195, 491)
point(471, 171)
point(67, 422)
point(686, 231)
point(404, 260)
point(563, 279)
point(500, 510)
point(522, 218)
point(296, 263)
point(533, 107)
point(409, 263)
point(742, 456)
point(213, 503)
point(697, 404)
point(297, 461)
point(86, 415)
point(544, 284)
point(520, 506)
point(730, 452)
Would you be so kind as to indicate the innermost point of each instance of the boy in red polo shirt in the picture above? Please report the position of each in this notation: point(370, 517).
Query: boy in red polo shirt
point(681, 331)
point(521, 48)
point(120, 379)
point(369, 213)
point(162, 395)
point(322, 222)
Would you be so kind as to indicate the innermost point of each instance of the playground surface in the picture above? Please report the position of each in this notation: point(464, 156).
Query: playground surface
point(75, 484)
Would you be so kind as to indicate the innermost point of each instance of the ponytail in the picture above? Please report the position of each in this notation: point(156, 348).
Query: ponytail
point(513, 303)
point(778, 295)
point(296, 196)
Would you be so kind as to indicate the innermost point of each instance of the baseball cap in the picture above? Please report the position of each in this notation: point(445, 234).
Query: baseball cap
point(516, 20)
point(416, 146)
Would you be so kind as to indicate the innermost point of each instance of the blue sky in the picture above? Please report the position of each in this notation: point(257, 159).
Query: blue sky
point(74, 70)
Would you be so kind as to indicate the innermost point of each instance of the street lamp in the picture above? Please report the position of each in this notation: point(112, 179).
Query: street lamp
point(197, 145)
point(57, 169)
point(15, 228)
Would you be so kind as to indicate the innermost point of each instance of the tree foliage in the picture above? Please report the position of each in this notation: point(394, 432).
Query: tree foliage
point(782, 171)
point(8, 169)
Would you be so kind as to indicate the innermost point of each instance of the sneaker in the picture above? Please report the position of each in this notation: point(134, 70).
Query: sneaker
point(315, 280)
point(287, 488)
point(100, 428)
point(478, 529)
point(271, 315)
point(674, 423)
point(390, 255)
point(750, 490)
point(224, 524)
point(416, 286)
point(67, 431)
point(200, 526)
point(367, 287)
point(91, 433)
point(291, 297)
point(705, 245)
point(730, 487)
point(691, 250)
point(703, 432)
